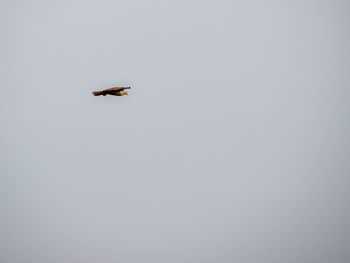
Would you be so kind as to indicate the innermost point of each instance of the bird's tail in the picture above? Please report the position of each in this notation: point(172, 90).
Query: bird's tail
point(97, 93)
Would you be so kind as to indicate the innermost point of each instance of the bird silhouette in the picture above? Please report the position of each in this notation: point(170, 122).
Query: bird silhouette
point(116, 91)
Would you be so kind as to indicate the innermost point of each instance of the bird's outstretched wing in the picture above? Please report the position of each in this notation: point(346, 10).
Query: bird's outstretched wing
point(115, 89)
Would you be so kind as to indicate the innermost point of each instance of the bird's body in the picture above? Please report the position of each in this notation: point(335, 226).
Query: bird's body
point(116, 91)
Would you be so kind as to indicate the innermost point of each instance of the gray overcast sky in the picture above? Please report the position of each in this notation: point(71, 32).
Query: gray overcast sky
point(233, 145)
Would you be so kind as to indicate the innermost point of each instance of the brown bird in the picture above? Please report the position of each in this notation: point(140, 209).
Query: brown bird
point(116, 91)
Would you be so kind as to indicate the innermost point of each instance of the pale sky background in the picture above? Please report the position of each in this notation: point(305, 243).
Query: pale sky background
point(233, 145)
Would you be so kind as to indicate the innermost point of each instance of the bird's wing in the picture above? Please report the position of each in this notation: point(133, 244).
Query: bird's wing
point(116, 89)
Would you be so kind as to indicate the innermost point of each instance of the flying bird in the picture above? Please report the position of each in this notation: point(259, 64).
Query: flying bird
point(116, 91)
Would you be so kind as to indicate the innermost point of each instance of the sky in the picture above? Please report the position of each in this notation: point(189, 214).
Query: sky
point(232, 146)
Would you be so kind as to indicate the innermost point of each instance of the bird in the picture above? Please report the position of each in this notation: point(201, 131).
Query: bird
point(116, 91)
